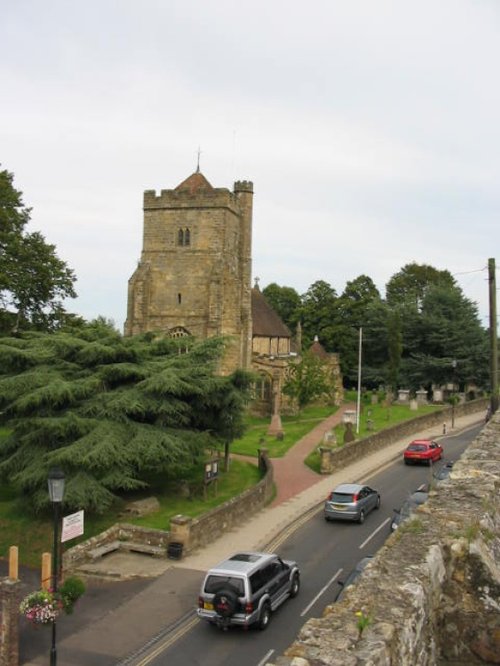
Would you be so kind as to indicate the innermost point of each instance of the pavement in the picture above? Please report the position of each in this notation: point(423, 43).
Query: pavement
point(114, 620)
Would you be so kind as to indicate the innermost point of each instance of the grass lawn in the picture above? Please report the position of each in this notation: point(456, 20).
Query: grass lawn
point(381, 417)
point(33, 535)
point(294, 427)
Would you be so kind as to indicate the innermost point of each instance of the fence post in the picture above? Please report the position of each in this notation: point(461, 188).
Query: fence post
point(9, 613)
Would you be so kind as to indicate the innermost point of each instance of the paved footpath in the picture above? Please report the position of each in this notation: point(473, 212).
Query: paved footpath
point(291, 474)
point(108, 624)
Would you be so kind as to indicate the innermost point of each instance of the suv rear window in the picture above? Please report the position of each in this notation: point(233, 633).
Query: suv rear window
point(215, 583)
point(342, 498)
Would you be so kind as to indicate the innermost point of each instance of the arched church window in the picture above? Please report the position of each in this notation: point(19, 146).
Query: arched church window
point(184, 237)
point(179, 332)
point(179, 298)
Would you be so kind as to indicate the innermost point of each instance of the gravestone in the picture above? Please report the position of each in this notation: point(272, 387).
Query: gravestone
point(421, 395)
point(403, 396)
point(349, 433)
point(437, 395)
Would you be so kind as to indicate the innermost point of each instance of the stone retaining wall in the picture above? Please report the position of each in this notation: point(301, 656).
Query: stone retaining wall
point(211, 525)
point(192, 533)
point(431, 596)
point(118, 532)
point(348, 453)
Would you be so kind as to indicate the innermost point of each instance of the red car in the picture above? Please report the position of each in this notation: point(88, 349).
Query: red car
point(424, 451)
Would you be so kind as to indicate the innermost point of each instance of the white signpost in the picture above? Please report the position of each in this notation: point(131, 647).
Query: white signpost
point(72, 526)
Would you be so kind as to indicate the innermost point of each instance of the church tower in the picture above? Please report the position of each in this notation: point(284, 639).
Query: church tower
point(194, 274)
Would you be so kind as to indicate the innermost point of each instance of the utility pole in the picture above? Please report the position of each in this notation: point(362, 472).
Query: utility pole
point(358, 406)
point(493, 335)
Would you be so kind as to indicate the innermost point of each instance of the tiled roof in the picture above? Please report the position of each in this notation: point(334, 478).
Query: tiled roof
point(266, 321)
point(318, 350)
point(196, 181)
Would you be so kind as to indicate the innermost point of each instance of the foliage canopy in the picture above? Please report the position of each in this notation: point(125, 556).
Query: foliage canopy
point(33, 280)
point(116, 414)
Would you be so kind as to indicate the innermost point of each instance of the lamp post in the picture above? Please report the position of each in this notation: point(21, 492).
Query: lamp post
point(56, 493)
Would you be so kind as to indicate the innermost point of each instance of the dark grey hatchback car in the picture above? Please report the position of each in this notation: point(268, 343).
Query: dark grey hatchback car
point(351, 501)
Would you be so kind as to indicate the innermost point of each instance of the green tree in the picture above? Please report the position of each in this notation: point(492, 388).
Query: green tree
point(33, 280)
point(318, 313)
point(286, 301)
point(308, 380)
point(445, 342)
point(355, 310)
point(411, 283)
point(116, 414)
point(395, 348)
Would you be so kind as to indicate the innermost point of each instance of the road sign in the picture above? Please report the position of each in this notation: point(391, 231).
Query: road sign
point(72, 526)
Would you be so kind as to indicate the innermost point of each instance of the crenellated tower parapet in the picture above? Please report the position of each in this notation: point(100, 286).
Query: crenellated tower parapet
point(219, 197)
point(243, 186)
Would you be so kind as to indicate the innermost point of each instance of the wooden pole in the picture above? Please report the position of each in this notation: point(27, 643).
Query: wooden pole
point(493, 335)
point(13, 563)
point(46, 570)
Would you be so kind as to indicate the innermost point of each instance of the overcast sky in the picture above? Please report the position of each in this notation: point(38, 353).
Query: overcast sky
point(369, 129)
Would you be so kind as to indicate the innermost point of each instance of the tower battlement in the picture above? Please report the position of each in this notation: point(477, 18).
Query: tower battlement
point(219, 197)
point(243, 186)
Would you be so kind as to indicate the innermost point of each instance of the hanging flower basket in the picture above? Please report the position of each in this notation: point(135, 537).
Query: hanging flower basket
point(41, 607)
point(44, 606)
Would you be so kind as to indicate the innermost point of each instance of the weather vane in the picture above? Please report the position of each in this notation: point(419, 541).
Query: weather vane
point(198, 163)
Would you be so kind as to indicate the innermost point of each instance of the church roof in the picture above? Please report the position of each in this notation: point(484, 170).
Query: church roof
point(317, 349)
point(265, 321)
point(196, 181)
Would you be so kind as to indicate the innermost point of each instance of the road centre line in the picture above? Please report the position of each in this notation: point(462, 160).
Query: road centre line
point(266, 658)
point(374, 532)
point(168, 642)
point(323, 589)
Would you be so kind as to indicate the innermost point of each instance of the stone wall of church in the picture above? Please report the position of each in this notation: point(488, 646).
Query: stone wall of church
point(201, 286)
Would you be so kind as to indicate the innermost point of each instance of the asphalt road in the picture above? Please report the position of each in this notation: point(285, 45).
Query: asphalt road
point(326, 553)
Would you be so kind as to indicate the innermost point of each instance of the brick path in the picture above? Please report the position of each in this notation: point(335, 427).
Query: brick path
point(291, 475)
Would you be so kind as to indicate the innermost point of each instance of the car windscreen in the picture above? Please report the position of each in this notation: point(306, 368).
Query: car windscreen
point(341, 498)
point(417, 447)
point(215, 583)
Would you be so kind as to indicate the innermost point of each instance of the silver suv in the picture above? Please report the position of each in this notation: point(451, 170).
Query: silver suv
point(246, 588)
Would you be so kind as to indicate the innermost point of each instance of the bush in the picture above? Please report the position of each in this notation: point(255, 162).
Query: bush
point(71, 590)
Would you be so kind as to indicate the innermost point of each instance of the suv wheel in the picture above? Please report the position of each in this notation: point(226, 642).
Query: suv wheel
point(264, 617)
point(294, 590)
point(361, 518)
point(377, 505)
point(225, 603)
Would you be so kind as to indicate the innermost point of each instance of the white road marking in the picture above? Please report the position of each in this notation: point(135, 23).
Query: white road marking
point(323, 589)
point(265, 658)
point(375, 532)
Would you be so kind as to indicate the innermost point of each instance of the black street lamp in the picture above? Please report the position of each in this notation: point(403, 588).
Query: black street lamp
point(56, 494)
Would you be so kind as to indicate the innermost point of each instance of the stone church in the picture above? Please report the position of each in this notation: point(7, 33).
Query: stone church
point(194, 278)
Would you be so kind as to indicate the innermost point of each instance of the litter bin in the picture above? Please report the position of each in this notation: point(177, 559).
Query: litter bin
point(174, 550)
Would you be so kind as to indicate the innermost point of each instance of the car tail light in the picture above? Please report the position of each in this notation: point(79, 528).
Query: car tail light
point(355, 497)
point(200, 602)
point(249, 608)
